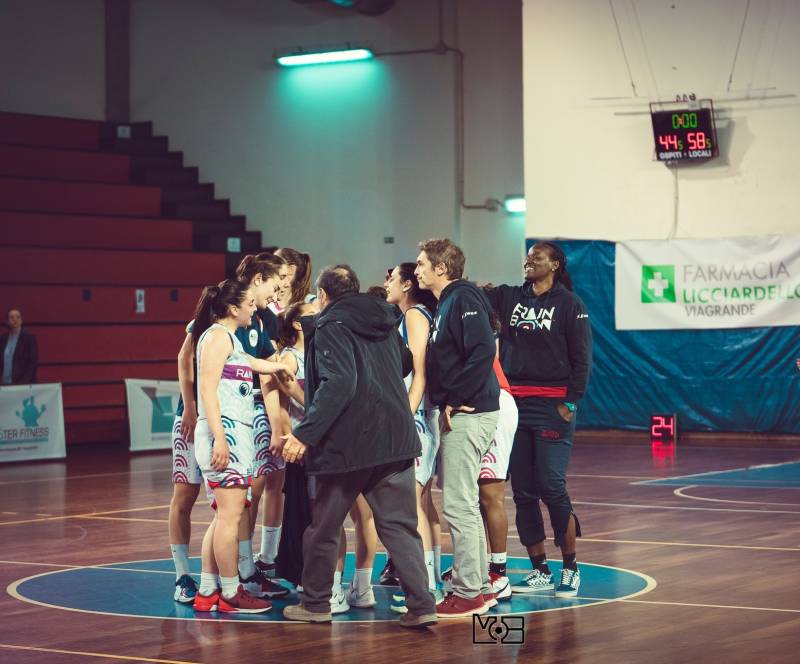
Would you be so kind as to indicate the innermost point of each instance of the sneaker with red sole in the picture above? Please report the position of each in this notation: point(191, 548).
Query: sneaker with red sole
point(243, 602)
point(206, 602)
point(258, 585)
point(454, 606)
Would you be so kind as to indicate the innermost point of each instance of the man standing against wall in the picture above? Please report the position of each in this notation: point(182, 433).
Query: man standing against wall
point(462, 383)
point(358, 436)
point(19, 354)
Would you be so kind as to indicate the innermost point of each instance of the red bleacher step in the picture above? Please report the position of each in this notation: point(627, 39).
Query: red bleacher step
point(109, 267)
point(73, 165)
point(100, 304)
point(49, 131)
point(38, 229)
point(77, 197)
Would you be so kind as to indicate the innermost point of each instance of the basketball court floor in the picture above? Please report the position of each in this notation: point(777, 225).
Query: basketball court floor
point(687, 555)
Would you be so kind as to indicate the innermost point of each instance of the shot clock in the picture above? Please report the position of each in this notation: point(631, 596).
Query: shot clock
point(685, 134)
point(663, 439)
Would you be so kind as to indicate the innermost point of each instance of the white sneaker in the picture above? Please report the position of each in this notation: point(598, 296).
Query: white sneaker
point(339, 603)
point(362, 599)
point(501, 586)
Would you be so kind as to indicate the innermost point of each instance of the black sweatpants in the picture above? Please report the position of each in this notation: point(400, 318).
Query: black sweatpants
point(538, 468)
point(391, 493)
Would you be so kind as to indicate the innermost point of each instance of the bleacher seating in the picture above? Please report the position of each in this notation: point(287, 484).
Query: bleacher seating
point(87, 217)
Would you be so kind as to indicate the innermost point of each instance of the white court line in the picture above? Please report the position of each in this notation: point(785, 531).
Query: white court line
point(683, 508)
point(74, 567)
point(702, 606)
point(76, 477)
point(85, 514)
point(12, 589)
point(680, 493)
point(692, 544)
point(667, 507)
point(614, 477)
point(717, 472)
point(104, 655)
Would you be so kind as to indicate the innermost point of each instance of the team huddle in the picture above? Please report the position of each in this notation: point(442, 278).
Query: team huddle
point(375, 401)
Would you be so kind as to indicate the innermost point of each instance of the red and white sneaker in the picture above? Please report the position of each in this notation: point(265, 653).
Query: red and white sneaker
point(454, 606)
point(501, 586)
point(206, 602)
point(243, 602)
point(490, 599)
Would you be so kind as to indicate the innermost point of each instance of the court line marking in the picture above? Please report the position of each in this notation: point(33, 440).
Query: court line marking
point(693, 544)
point(12, 589)
point(717, 472)
point(668, 507)
point(76, 477)
point(513, 535)
point(680, 507)
point(615, 477)
point(77, 567)
point(78, 516)
point(97, 654)
point(680, 493)
point(703, 606)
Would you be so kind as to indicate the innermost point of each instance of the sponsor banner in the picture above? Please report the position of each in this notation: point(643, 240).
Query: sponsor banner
point(151, 412)
point(31, 422)
point(704, 284)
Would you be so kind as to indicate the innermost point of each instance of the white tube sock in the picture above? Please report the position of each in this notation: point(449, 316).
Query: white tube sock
point(180, 556)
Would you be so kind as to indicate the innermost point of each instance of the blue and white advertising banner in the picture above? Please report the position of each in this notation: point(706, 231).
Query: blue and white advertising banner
point(31, 422)
point(151, 412)
point(706, 284)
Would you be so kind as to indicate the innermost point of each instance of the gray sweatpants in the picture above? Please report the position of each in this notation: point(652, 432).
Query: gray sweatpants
point(461, 449)
point(390, 490)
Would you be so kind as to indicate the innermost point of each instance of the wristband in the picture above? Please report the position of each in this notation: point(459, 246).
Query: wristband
point(571, 407)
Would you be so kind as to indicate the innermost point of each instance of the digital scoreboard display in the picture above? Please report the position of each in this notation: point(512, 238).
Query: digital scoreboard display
point(684, 135)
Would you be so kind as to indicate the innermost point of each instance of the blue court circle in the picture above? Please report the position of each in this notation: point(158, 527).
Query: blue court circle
point(143, 589)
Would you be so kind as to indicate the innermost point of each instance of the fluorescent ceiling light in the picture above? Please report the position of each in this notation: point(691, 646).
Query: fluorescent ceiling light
point(300, 58)
point(515, 204)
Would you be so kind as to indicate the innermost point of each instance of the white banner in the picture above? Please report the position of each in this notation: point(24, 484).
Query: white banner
point(151, 412)
point(703, 284)
point(31, 422)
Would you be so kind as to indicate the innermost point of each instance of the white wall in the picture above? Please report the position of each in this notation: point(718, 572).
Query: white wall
point(52, 57)
point(332, 159)
point(589, 169)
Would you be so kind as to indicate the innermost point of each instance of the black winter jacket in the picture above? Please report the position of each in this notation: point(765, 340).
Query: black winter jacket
point(458, 364)
point(357, 413)
point(25, 361)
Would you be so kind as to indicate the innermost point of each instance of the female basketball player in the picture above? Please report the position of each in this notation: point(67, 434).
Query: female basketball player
point(224, 447)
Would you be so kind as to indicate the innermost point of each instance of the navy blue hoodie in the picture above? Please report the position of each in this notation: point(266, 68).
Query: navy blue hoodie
point(461, 351)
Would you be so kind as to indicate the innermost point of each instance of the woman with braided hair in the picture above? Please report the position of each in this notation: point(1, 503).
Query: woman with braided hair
point(545, 351)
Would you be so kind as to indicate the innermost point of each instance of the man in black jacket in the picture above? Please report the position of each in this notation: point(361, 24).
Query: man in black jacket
point(358, 436)
point(464, 386)
point(19, 355)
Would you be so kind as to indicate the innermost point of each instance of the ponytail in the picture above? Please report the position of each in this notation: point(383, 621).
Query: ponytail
point(214, 304)
point(557, 254)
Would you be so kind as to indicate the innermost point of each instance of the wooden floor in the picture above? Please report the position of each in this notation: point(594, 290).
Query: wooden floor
point(726, 561)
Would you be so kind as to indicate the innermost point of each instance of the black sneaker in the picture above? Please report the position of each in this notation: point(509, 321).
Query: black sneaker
point(388, 577)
